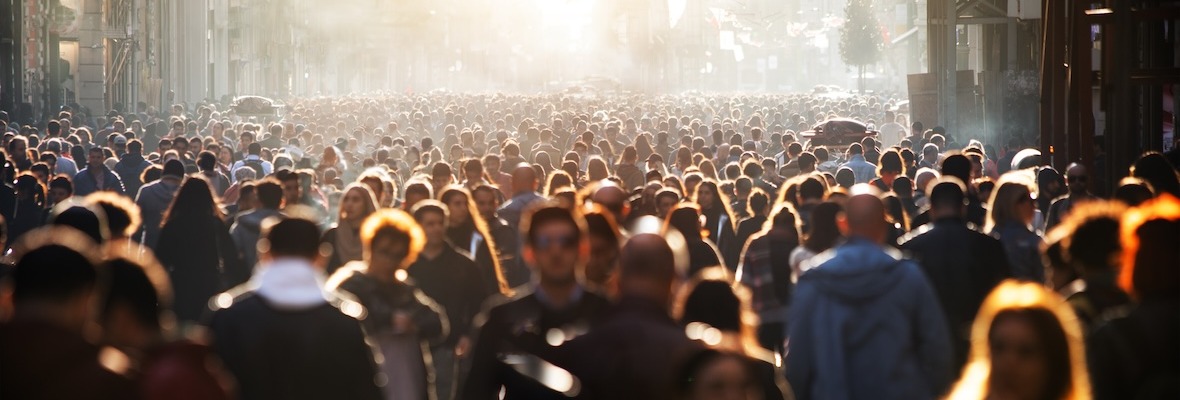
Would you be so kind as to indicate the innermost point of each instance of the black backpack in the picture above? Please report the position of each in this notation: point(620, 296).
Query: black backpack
point(256, 165)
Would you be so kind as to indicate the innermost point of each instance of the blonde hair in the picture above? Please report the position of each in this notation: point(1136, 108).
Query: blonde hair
point(396, 222)
point(1012, 295)
point(1011, 189)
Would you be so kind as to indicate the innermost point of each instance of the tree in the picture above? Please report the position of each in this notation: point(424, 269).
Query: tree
point(860, 37)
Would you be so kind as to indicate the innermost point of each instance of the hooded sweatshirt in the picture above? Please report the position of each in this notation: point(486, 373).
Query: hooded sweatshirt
point(246, 232)
point(865, 324)
point(153, 199)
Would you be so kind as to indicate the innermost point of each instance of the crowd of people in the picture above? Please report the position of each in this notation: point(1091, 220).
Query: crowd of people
point(461, 246)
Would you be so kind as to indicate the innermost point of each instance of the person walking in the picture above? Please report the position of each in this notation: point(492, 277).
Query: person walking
point(262, 331)
point(865, 324)
point(962, 264)
point(401, 319)
point(196, 250)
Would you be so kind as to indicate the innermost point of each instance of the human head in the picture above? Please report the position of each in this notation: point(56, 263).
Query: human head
point(1011, 202)
point(666, 200)
point(948, 198)
point(95, 158)
point(292, 189)
point(1076, 178)
point(845, 177)
point(460, 204)
point(392, 240)
point(55, 278)
point(206, 161)
point(122, 215)
point(487, 201)
point(440, 176)
point(194, 198)
point(556, 243)
point(432, 215)
point(890, 165)
point(1026, 343)
point(290, 238)
point(1154, 168)
point(357, 203)
point(605, 242)
point(136, 305)
point(717, 374)
point(524, 179)
point(270, 193)
point(1149, 235)
point(647, 268)
point(865, 215)
point(416, 191)
point(60, 189)
point(1133, 191)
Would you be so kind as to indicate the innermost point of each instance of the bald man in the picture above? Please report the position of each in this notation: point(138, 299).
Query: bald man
point(865, 323)
point(612, 197)
point(636, 350)
point(524, 193)
point(1077, 181)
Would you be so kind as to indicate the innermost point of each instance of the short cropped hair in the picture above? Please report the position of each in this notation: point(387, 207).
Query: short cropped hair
point(548, 213)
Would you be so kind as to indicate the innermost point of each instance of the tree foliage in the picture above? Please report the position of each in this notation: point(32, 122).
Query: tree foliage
point(860, 37)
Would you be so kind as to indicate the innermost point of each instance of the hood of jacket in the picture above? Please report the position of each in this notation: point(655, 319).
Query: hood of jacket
point(161, 191)
point(857, 271)
point(253, 219)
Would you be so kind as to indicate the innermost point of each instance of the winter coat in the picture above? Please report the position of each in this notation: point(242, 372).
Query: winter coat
point(865, 324)
point(283, 337)
point(84, 182)
point(153, 199)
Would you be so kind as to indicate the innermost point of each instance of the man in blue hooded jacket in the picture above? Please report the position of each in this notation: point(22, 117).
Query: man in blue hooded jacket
point(864, 323)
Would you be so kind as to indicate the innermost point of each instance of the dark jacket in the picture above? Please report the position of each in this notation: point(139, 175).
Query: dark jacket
point(702, 254)
point(84, 182)
point(27, 215)
point(1137, 356)
point(631, 176)
point(283, 338)
point(1023, 248)
point(748, 227)
point(200, 256)
point(404, 365)
point(721, 232)
point(454, 282)
point(634, 353)
point(963, 265)
point(246, 231)
point(181, 371)
point(129, 168)
point(527, 311)
point(43, 361)
point(153, 199)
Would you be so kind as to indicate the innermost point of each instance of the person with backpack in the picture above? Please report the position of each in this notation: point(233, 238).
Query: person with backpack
point(248, 228)
point(254, 161)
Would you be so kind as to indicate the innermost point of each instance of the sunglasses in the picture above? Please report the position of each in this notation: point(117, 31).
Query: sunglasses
point(1076, 179)
point(547, 242)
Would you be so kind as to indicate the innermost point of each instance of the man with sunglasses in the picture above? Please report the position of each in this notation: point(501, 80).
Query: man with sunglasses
point(556, 246)
point(1076, 181)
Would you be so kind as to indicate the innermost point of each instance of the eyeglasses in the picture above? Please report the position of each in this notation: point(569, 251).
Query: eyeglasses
point(1076, 178)
point(547, 242)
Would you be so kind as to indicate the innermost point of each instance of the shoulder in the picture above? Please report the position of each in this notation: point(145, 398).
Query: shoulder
point(916, 236)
